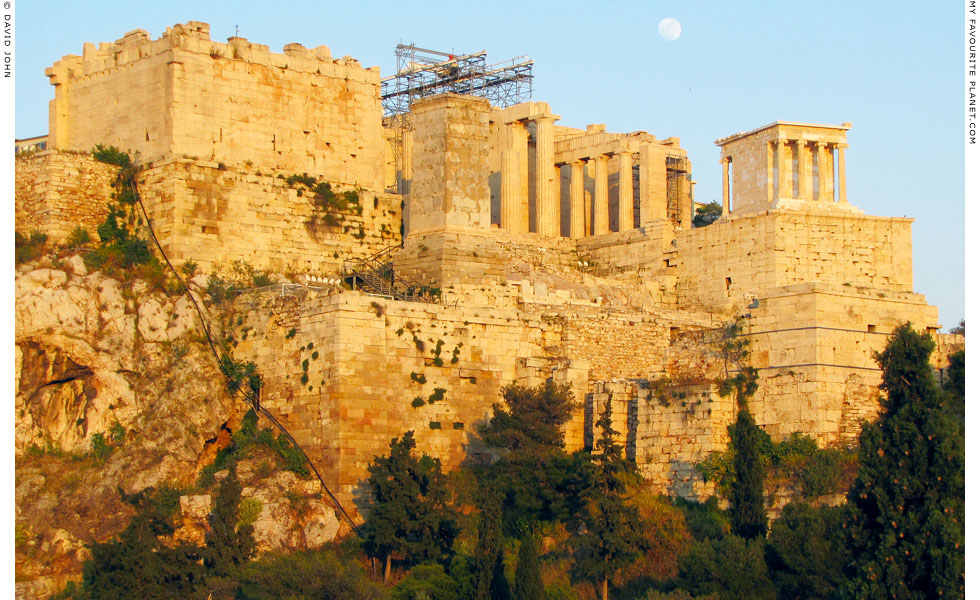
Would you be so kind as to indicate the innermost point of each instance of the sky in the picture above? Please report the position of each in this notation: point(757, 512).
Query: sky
point(893, 69)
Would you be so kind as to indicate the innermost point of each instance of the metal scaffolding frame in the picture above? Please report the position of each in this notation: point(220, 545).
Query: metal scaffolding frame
point(421, 72)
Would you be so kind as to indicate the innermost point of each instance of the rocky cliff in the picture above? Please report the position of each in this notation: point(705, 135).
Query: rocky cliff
point(116, 390)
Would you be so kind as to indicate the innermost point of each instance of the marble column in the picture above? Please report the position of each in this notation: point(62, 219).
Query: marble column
point(841, 178)
point(826, 192)
point(724, 185)
point(510, 185)
point(625, 190)
point(548, 209)
point(601, 224)
point(785, 157)
point(802, 169)
point(577, 196)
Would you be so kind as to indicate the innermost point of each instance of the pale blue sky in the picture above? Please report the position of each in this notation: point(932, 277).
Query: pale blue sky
point(893, 69)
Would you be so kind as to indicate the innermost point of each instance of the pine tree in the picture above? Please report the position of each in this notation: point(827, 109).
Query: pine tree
point(905, 529)
point(410, 516)
point(227, 544)
point(612, 541)
point(539, 481)
point(528, 584)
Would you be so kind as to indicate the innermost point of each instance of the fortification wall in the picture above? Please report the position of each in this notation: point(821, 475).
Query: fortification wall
point(360, 353)
point(184, 95)
point(214, 215)
point(55, 192)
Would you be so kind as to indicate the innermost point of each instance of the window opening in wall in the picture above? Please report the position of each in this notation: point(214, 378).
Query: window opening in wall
point(872, 328)
point(728, 285)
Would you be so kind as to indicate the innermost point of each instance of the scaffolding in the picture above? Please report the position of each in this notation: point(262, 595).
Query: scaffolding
point(678, 169)
point(421, 72)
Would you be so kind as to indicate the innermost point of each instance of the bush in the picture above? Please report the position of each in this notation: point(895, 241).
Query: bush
point(112, 156)
point(78, 237)
point(249, 511)
point(29, 248)
point(305, 574)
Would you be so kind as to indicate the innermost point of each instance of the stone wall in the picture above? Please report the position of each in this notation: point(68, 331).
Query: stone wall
point(667, 430)
point(360, 354)
point(214, 214)
point(55, 192)
point(186, 95)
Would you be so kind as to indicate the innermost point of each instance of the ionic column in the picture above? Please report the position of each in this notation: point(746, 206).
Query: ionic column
point(803, 171)
point(625, 190)
point(577, 196)
point(724, 185)
point(548, 215)
point(841, 179)
point(601, 201)
point(510, 185)
point(785, 158)
point(822, 173)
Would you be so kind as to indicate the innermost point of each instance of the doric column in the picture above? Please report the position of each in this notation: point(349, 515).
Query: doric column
point(724, 185)
point(577, 196)
point(803, 169)
point(601, 200)
point(548, 215)
point(769, 174)
point(841, 178)
point(785, 158)
point(510, 185)
point(826, 192)
point(625, 190)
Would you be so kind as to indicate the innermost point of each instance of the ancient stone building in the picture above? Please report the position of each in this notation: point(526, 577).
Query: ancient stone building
point(558, 252)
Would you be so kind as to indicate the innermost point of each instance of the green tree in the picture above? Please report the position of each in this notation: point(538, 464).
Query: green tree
point(748, 503)
point(905, 531)
point(707, 214)
point(428, 581)
point(539, 481)
point(528, 584)
point(489, 564)
point(313, 574)
point(136, 564)
point(611, 541)
point(729, 568)
point(227, 544)
point(410, 516)
point(805, 551)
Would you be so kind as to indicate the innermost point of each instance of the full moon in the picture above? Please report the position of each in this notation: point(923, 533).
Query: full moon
point(670, 29)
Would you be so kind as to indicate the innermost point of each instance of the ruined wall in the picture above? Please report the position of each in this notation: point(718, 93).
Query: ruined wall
point(186, 95)
point(215, 214)
point(55, 192)
point(667, 430)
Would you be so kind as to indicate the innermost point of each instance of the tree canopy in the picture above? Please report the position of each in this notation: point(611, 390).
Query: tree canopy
point(905, 523)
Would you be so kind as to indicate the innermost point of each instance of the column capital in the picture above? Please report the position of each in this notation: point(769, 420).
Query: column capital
point(840, 145)
point(820, 144)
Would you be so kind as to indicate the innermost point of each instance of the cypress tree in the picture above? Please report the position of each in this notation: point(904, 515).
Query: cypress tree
point(905, 528)
point(611, 541)
point(227, 544)
point(748, 507)
point(528, 584)
point(490, 582)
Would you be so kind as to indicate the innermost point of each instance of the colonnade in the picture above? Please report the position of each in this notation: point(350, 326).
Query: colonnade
point(795, 169)
point(546, 183)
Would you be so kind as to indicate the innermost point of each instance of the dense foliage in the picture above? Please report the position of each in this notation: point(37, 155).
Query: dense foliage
point(410, 518)
point(905, 518)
